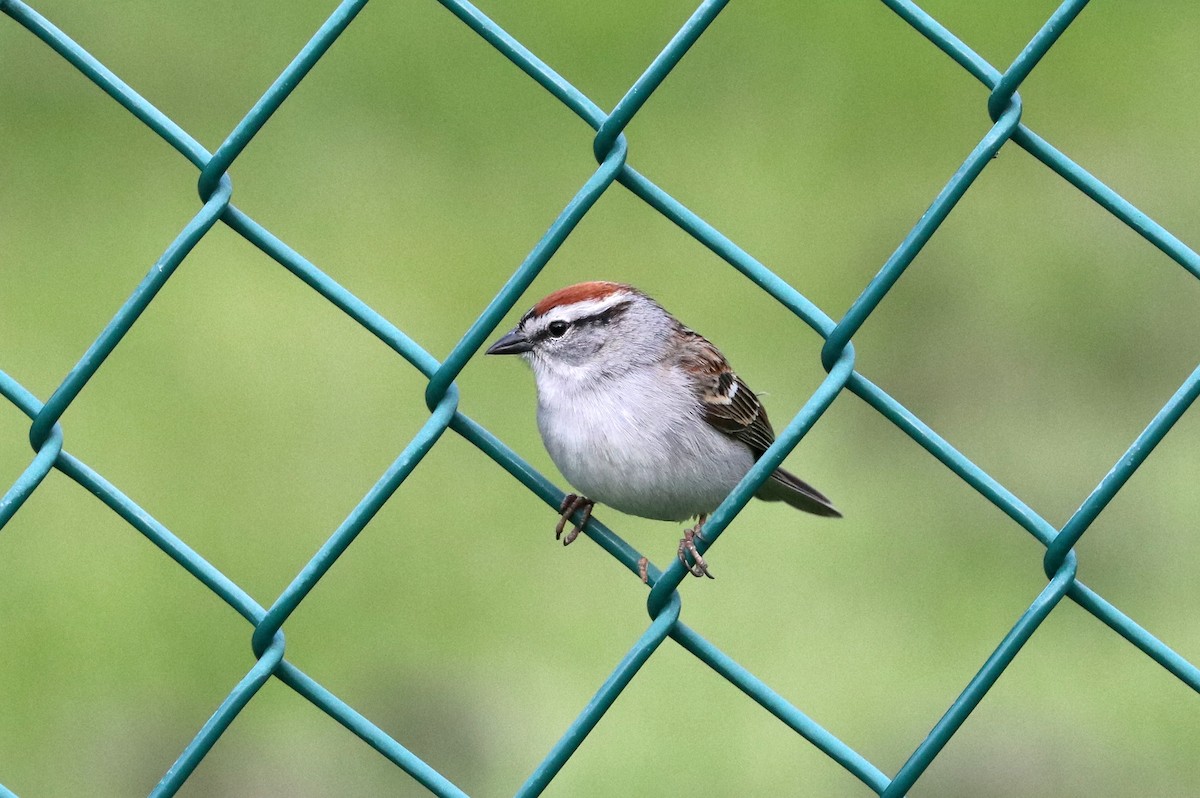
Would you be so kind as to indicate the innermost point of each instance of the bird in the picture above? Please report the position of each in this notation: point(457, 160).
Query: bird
point(642, 414)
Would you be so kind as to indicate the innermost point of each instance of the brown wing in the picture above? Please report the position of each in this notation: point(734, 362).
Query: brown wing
point(729, 404)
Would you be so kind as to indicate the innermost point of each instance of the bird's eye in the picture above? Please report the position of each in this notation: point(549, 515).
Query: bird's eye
point(557, 329)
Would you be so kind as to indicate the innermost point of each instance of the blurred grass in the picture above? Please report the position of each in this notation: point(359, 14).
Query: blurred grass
point(417, 167)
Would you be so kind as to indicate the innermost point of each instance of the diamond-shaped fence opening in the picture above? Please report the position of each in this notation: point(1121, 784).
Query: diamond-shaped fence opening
point(614, 173)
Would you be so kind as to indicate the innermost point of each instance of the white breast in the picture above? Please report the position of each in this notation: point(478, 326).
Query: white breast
point(639, 443)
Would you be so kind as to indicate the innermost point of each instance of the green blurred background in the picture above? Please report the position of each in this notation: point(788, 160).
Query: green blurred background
point(417, 167)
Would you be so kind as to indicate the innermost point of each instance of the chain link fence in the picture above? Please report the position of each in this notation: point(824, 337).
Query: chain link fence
point(442, 396)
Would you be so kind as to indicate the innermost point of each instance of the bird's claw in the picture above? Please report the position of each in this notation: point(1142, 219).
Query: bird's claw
point(687, 548)
point(570, 504)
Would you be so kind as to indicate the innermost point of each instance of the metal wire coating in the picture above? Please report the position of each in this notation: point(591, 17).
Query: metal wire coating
point(664, 603)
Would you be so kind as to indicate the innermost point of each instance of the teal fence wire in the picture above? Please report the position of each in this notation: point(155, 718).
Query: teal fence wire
point(442, 397)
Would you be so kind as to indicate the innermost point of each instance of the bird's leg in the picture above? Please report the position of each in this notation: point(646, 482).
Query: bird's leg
point(570, 504)
point(687, 546)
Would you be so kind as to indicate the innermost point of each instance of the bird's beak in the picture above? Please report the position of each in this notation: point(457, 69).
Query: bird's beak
point(514, 342)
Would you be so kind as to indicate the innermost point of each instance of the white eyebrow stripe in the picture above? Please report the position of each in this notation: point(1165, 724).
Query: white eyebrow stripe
point(580, 310)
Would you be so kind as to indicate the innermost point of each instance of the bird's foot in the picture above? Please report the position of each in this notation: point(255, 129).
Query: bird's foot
point(687, 548)
point(570, 504)
point(644, 570)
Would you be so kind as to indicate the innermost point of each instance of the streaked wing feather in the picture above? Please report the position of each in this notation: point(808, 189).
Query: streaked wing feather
point(729, 404)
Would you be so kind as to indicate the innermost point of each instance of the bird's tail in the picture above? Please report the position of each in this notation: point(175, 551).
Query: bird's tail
point(784, 486)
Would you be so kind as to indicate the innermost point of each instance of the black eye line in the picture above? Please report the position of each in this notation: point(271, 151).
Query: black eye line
point(603, 317)
point(544, 334)
point(606, 316)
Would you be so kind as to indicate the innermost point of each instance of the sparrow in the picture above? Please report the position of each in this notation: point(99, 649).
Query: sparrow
point(643, 414)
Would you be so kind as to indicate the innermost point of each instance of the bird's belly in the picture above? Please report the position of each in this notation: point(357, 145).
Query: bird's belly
point(662, 465)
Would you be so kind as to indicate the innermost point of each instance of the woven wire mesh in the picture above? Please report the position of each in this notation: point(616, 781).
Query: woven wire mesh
point(442, 397)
